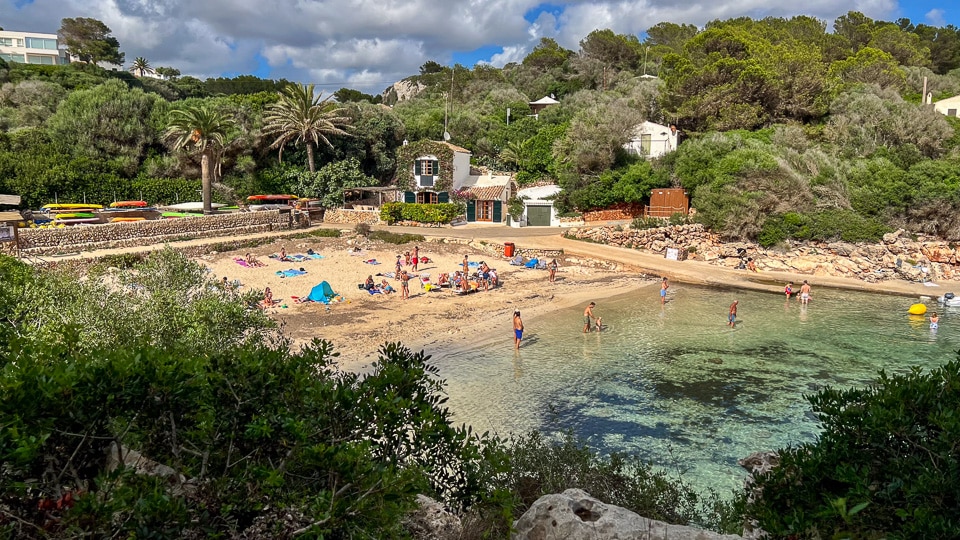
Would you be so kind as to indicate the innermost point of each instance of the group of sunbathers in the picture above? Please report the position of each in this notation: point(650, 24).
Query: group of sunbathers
point(252, 261)
point(383, 287)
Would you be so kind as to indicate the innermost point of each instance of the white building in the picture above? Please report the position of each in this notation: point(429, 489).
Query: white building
point(948, 106)
point(652, 140)
point(538, 206)
point(31, 48)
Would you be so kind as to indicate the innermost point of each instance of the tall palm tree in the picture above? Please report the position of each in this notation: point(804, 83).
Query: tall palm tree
point(302, 117)
point(515, 153)
point(140, 65)
point(203, 131)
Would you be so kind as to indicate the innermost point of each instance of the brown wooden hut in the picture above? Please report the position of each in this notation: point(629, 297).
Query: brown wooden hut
point(664, 202)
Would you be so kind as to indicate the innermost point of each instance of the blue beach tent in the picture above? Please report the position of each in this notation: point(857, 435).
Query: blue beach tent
point(322, 293)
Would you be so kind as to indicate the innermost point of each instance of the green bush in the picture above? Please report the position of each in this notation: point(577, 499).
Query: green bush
point(826, 226)
point(421, 213)
point(362, 229)
point(647, 222)
point(885, 465)
point(321, 233)
point(395, 238)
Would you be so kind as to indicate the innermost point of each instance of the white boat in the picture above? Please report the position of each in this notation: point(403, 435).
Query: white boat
point(191, 206)
point(949, 299)
point(259, 207)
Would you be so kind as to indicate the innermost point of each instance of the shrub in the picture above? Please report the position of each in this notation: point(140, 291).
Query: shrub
point(395, 238)
point(826, 226)
point(679, 218)
point(647, 222)
point(421, 213)
point(320, 233)
point(885, 464)
point(362, 229)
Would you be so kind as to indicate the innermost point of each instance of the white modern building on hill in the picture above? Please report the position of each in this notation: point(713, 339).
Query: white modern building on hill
point(948, 106)
point(31, 48)
point(652, 140)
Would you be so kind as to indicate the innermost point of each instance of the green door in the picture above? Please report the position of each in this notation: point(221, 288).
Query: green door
point(471, 210)
point(497, 212)
point(538, 216)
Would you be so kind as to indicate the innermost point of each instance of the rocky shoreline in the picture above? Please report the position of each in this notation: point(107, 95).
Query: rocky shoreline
point(898, 256)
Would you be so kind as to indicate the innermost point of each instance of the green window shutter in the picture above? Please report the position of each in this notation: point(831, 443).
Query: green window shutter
point(417, 170)
point(443, 197)
point(471, 210)
point(436, 168)
point(409, 197)
point(497, 211)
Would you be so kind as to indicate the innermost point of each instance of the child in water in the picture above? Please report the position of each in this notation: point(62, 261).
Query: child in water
point(934, 321)
point(788, 290)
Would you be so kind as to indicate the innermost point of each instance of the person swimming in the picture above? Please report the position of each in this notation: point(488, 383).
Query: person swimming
point(934, 321)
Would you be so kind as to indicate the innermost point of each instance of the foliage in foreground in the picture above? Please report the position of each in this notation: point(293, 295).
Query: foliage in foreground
point(395, 238)
point(421, 213)
point(885, 466)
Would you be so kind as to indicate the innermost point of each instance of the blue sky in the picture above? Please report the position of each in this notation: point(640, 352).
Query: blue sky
point(369, 44)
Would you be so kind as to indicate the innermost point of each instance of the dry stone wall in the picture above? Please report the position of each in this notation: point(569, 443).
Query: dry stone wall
point(141, 233)
point(617, 213)
point(897, 257)
point(351, 217)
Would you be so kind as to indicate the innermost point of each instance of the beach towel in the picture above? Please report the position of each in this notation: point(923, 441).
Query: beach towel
point(390, 275)
point(291, 273)
point(371, 261)
point(532, 263)
point(473, 264)
point(517, 261)
point(299, 257)
point(373, 291)
point(315, 255)
point(322, 293)
point(241, 262)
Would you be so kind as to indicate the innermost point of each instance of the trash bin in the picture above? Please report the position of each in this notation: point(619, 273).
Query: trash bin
point(508, 249)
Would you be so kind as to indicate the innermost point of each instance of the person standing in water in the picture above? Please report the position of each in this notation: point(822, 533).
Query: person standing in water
point(804, 293)
point(663, 290)
point(517, 329)
point(788, 290)
point(934, 321)
point(732, 317)
point(588, 317)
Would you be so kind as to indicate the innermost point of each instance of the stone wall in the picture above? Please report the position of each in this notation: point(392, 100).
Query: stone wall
point(141, 233)
point(896, 257)
point(616, 213)
point(351, 217)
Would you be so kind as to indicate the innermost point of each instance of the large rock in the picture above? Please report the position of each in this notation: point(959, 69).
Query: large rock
point(431, 521)
point(574, 514)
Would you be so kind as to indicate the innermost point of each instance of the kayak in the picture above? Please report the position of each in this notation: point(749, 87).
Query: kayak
point(174, 215)
point(271, 197)
point(128, 204)
point(192, 206)
point(74, 215)
point(80, 221)
point(72, 206)
point(126, 219)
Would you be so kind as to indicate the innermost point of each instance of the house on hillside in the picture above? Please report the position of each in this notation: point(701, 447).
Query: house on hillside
point(32, 48)
point(541, 104)
point(948, 106)
point(652, 140)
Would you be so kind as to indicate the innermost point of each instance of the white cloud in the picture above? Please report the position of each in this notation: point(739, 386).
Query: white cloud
point(936, 17)
point(366, 43)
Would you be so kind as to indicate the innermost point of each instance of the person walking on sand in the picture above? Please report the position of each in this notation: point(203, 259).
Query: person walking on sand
point(732, 318)
point(663, 290)
point(517, 329)
point(552, 267)
point(788, 290)
point(416, 257)
point(588, 317)
point(404, 285)
point(804, 293)
point(396, 271)
point(466, 267)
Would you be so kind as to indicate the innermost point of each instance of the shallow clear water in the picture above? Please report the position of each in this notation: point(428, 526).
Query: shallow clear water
point(677, 386)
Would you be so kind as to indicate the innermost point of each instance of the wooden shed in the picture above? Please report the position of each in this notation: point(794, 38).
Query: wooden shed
point(664, 202)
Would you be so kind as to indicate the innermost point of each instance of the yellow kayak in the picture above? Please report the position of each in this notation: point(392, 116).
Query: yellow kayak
point(73, 206)
point(126, 219)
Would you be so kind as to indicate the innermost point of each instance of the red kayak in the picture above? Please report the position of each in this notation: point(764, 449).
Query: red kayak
point(271, 197)
point(128, 204)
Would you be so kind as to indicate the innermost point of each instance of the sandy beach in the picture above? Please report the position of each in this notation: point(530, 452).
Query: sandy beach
point(430, 320)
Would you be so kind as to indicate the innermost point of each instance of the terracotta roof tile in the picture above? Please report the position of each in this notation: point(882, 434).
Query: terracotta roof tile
point(487, 193)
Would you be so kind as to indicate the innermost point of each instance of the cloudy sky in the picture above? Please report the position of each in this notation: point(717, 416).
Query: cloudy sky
point(369, 44)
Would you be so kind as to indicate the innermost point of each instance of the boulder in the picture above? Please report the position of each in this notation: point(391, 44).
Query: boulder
point(892, 237)
point(431, 521)
point(575, 514)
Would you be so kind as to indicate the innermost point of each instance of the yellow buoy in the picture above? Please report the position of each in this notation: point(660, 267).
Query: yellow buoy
point(917, 309)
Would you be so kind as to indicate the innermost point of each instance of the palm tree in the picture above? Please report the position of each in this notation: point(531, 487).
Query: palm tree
point(301, 117)
point(515, 153)
point(202, 130)
point(140, 65)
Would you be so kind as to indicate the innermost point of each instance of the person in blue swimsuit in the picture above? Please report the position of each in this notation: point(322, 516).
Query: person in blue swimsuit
point(663, 290)
point(934, 321)
point(517, 329)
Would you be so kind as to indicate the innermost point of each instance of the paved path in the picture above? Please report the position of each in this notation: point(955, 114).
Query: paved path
point(690, 271)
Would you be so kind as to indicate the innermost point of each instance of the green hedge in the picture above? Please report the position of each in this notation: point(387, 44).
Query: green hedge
point(421, 213)
point(826, 226)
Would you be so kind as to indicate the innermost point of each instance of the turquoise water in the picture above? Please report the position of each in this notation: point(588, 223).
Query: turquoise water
point(677, 386)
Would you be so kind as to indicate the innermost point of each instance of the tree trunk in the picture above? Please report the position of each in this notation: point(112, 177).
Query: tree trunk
point(205, 182)
point(310, 157)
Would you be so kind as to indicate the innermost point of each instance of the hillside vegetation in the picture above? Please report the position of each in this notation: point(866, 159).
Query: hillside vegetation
point(790, 131)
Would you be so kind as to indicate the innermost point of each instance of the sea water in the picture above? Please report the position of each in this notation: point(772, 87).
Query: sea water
point(677, 386)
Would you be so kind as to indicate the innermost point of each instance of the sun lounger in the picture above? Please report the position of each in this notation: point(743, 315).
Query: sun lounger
point(532, 263)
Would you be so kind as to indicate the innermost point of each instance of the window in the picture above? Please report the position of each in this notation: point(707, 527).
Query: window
point(951, 112)
point(484, 210)
point(645, 140)
point(41, 43)
point(45, 60)
point(12, 57)
point(427, 167)
point(426, 197)
point(6, 41)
